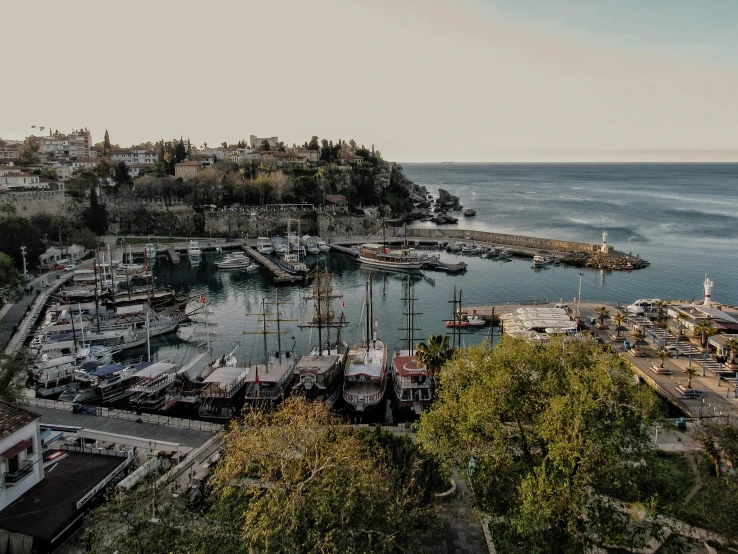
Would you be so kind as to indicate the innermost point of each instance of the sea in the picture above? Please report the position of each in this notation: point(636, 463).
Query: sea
point(682, 218)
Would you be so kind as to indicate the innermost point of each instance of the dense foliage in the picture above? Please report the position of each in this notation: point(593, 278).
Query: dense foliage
point(537, 427)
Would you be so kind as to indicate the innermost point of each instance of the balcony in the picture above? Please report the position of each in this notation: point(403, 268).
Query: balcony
point(26, 468)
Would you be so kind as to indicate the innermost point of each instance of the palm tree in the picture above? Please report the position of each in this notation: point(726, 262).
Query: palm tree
point(682, 318)
point(662, 353)
point(691, 372)
point(618, 318)
point(639, 337)
point(602, 313)
point(706, 329)
point(435, 353)
point(660, 305)
point(732, 344)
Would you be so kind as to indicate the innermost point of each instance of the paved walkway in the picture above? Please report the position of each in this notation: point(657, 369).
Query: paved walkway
point(12, 314)
point(461, 528)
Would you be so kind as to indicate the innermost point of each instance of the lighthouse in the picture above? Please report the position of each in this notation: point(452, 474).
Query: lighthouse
point(708, 290)
point(604, 242)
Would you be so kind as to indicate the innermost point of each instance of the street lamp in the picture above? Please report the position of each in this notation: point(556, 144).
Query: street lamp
point(579, 297)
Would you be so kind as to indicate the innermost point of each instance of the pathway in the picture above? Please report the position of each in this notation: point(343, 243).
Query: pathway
point(461, 528)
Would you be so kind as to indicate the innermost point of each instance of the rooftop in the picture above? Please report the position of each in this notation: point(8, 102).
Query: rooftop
point(13, 418)
point(51, 505)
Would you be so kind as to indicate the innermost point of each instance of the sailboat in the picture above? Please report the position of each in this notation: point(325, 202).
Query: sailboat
point(379, 255)
point(268, 382)
point(365, 379)
point(412, 383)
point(320, 373)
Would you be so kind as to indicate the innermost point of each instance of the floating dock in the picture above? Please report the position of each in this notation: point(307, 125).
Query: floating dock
point(280, 276)
point(173, 255)
point(349, 251)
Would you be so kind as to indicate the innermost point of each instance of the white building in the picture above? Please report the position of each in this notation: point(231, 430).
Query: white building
point(10, 149)
point(22, 180)
point(77, 144)
point(134, 156)
point(20, 450)
point(83, 163)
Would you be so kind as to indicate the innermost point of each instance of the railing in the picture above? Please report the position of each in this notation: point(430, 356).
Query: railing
point(26, 467)
point(130, 416)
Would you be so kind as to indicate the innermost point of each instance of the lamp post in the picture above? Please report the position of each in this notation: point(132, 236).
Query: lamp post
point(579, 297)
point(23, 253)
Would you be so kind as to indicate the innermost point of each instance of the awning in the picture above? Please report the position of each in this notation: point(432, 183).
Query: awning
point(107, 370)
point(13, 451)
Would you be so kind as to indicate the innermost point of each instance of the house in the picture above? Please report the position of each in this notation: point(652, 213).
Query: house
point(67, 254)
point(203, 159)
point(136, 170)
point(288, 159)
point(83, 163)
point(256, 142)
point(10, 149)
point(22, 180)
point(8, 169)
point(337, 201)
point(134, 156)
point(77, 144)
point(346, 157)
point(20, 449)
point(310, 156)
point(187, 169)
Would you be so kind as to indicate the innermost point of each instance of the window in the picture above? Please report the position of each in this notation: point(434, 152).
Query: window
point(29, 450)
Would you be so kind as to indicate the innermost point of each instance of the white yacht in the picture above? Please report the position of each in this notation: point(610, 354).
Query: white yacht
point(321, 244)
point(237, 260)
point(279, 246)
point(291, 264)
point(193, 250)
point(378, 255)
point(539, 260)
point(264, 246)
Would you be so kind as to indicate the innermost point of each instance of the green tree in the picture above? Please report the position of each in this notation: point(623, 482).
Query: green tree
point(96, 215)
point(732, 345)
point(12, 378)
point(16, 232)
point(300, 480)
point(264, 145)
point(602, 313)
point(314, 143)
point(106, 141)
point(29, 153)
point(662, 353)
point(691, 372)
point(48, 172)
point(705, 329)
point(538, 426)
point(618, 318)
point(11, 281)
point(639, 337)
point(180, 152)
point(435, 353)
point(121, 175)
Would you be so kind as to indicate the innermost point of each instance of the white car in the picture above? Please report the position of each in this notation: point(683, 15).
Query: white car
point(70, 267)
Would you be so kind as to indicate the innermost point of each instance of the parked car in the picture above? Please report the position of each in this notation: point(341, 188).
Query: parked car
point(70, 267)
point(59, 266)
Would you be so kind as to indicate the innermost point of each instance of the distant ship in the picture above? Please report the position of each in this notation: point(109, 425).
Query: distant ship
point(448, 162)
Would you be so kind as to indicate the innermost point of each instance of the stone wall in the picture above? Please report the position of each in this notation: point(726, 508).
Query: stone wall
point(27, 204)
point(508, 240)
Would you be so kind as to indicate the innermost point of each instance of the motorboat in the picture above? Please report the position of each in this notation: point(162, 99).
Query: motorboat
point(378, 255)
point(292, 264)
point(150, 250)
point(467, 248)
point(193, 249)
point(310, 244)
point(322, 245)
point(539, 260)
point(234, 262)
point(264, 246)
point(279, 246)
point(475, 321)
point(365, 378)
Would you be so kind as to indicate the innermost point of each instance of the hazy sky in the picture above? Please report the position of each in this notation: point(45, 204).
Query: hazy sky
point(424, 80)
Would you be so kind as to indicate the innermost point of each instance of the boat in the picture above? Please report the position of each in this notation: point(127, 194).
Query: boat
point(467, 248)
point(268, 383)
point(377, 255)
point(365, 378)
point(150, 250)
point(310, 244)
point(459, 324)
point(234, 262)
point(539, 260)
point(322, 245)
point(455, 247)
point(264, 246)
point(193, 249)
point(412, 383)
point(52, 376)
point(504, 255)
point(279, 246)
point(291, 264)
point(475, 321)
point(320, 373)
point(108, 383)
point(153, 380)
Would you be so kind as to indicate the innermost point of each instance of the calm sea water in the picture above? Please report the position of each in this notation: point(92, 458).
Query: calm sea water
point(683, 218)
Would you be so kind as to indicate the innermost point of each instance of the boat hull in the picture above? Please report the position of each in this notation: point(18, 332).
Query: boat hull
point(397, 266)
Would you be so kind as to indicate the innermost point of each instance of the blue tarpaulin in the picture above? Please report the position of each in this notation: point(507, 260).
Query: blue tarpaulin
point(107, 370)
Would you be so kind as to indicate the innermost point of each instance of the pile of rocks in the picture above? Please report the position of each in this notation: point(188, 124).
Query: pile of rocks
point(615, 263)
point(443, 219)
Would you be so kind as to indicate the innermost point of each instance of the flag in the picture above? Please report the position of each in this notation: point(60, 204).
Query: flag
point(202, 299)
point(343, 306)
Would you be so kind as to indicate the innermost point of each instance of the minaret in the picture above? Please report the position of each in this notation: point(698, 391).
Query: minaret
point(604, 242)
point(708, 290)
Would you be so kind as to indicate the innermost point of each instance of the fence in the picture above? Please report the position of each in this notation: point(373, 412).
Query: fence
point(130, 416)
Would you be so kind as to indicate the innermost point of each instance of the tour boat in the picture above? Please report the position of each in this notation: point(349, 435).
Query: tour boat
point(320, 373)
point(264, 246)
point(413, 385)
point(279, 246)
point(377, 255)
point(539, 260)
point(193, 250)
point(292, 265)
point(234, 262)
point(365, 379)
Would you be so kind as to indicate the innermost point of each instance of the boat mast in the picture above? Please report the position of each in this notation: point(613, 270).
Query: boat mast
point(112, 276)
point(264, 333)
point(371, 305)
point(97, 299)
point(148, 339)
point(146, 271)
point(279, 331)
point(368, 317)
point(320, 316)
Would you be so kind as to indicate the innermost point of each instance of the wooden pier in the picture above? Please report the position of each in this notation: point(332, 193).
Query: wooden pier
point(280, 276)
point(349, 251)
point(173, 255)
point(492, 313)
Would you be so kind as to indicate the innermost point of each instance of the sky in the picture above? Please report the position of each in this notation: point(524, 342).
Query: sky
point(422, 80)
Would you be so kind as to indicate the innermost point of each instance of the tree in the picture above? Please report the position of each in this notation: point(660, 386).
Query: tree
point(618, 318)
point(732, 345)
point(16, 232)
point(11, 281)
point(433, 354)
point(705, 329)
point(180, 152)
point(538, 427)
point(639, 337)
point(602, 313)
point(29, 153)
point(96, 216)
point(12, 378)
point(106, 141)
point(300, 480)
point(121, 175)
point(682, 318)
point(662, 353)
point(314, 143)
point(691, 372)
point(264, 145)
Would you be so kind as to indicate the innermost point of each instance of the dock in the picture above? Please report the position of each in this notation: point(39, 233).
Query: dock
point(349, 251)
point(279, 275)
point(173, 255)
point(492, 313)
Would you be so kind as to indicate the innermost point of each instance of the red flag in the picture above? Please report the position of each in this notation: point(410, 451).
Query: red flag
point(342, 304)
point(202, 299)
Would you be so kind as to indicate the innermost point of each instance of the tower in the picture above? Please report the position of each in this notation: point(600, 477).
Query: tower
point(604, 242)
point(708, 290)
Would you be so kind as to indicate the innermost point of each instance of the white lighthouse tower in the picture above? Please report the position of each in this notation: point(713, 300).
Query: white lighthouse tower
point(604, 242)
point(708, 290)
